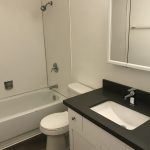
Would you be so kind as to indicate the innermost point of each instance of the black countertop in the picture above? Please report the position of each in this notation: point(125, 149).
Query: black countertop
point(139, 138)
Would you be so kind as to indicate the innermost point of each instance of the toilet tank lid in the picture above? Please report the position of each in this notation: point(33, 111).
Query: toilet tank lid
point(79, 88)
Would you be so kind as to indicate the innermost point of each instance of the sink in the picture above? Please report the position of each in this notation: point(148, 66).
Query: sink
point(121, 115)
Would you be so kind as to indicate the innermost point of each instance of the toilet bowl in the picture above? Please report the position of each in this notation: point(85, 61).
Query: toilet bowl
point(56, 126)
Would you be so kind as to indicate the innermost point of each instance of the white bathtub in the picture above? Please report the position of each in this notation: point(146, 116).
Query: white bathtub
point(21, 114)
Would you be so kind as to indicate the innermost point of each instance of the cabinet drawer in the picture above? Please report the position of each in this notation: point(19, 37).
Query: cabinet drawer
point(75, 120)
point(100, 137)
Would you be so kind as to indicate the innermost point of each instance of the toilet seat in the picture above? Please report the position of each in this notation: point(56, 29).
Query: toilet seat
point(55, 124)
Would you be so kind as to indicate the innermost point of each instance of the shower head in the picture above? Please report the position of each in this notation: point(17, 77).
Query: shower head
point(43, 7)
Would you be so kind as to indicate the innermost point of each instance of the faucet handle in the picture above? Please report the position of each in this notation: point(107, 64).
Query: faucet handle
point(131, 94)
point(131, 89)
point(55, 68)
point(132, 101)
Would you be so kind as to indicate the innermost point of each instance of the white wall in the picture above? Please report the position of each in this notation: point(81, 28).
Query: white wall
point(22, 54)
point(89, 34)
point(57, 38)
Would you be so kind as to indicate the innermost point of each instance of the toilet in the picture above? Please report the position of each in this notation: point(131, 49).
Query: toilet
point(56, 126)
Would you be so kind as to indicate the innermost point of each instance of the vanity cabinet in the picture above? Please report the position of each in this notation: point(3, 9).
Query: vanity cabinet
point(86, 135)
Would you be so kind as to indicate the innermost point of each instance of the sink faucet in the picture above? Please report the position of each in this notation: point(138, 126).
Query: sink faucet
point(53, 86)
point(130, 95)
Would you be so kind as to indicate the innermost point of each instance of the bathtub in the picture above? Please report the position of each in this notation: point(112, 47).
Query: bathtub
point(22, 114)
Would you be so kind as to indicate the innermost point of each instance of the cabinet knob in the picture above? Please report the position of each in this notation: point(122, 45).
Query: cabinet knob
point(73, 118)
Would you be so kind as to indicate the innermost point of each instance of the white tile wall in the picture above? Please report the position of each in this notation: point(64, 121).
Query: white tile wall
point(57, 35)
point(22, 53)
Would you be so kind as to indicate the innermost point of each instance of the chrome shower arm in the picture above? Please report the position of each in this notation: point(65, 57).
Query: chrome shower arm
point(43, 7)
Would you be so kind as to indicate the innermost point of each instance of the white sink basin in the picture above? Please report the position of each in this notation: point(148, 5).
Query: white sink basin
point(121, 115)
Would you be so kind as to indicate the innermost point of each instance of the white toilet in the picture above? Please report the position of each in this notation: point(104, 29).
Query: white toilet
point(56, 125)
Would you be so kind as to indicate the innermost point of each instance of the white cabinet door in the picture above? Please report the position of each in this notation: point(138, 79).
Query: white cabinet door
point(80, 143)
point(75, 120)
point(75, 125)
point(84, 135)
point(119, 30)
point(140, 13)
point(100, 137)
point(139, 45)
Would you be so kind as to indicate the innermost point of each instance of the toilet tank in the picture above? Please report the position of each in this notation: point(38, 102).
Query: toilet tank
point(77, 89)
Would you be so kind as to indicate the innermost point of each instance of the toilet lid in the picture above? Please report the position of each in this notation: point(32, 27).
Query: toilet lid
point(55, 121)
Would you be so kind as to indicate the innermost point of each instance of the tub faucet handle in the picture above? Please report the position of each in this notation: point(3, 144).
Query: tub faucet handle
point(55, 68)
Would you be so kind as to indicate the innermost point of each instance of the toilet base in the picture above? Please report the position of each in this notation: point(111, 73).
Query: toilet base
point(57, 142)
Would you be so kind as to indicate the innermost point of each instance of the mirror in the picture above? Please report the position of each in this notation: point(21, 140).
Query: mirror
point(129, 43)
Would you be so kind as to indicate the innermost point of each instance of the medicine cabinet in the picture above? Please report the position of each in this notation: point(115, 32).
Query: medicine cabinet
point(129, 36)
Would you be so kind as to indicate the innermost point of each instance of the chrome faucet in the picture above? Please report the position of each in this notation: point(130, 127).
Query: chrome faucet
point(43, 7)
point(53, 86)
point(132, 93)
point(55, 68)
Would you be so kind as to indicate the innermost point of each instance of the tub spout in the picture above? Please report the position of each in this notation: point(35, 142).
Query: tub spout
point(53, 86)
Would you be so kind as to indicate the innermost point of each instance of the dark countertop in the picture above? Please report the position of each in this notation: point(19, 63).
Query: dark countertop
point(138, 138)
